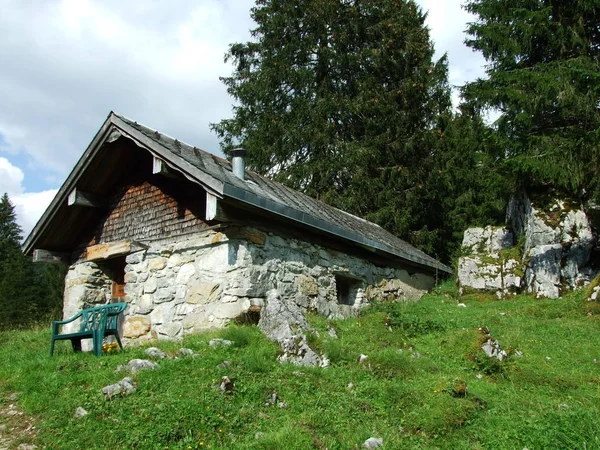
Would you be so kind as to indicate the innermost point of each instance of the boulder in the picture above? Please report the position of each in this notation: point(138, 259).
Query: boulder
point(487, 240)
point(558, 240)
point(285, 323)
point(556, 244)
point(372, 443)
point(135, 365)
point(121, 389)
point(489, 274)
point(542, 275)
point(215, 343)
point(156, 353)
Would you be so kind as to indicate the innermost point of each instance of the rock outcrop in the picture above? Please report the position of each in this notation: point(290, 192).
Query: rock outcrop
point(557, 243)
point(488, 267)
point(553, 255)
point(285, 323)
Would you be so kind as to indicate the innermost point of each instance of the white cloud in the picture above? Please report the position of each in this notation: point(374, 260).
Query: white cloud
point(67, 63)
point(30, 206)
point(447, 21)
point(11, 178)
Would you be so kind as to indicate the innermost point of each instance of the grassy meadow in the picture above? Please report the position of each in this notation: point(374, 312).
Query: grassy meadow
point(425, 384)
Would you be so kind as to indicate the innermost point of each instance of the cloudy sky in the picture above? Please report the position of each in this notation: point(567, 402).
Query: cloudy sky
point(65, 64)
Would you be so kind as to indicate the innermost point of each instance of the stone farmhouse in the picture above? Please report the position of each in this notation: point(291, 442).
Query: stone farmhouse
point(192, 241)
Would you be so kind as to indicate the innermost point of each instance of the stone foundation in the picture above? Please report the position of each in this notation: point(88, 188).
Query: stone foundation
point(205, 280)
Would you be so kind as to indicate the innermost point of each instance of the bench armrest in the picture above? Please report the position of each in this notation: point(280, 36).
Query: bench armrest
point(57, 323)
point(70, 319)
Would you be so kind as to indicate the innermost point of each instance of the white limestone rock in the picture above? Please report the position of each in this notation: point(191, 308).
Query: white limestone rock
point(542, 274)
point(135, 365)
point(487, 240)
point(121, 389)
point(550, 268)
point(285, 323)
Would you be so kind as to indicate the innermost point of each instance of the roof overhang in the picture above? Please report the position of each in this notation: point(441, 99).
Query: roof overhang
point(114, 128)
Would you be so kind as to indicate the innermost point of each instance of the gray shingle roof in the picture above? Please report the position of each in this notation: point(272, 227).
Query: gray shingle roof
point(216, 175)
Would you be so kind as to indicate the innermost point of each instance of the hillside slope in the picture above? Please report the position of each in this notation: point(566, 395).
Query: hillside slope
point(424, 384)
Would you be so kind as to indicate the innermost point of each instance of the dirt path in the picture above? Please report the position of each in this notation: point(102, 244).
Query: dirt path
point(17, 431)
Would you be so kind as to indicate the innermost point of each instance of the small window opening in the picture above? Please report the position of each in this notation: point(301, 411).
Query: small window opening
point(347, 289)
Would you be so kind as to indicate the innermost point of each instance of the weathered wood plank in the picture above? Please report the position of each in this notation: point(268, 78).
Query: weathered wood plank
point(108, 250)
point(211, 206)
point(47, 256)
point(160, 167)
point(80, 198)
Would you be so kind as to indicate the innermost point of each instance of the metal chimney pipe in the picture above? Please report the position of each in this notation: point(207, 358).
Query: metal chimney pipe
point(238, 162)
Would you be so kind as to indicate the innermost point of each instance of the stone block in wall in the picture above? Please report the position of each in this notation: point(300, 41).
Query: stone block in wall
point(157, 263)
point(251, 235)
point(213, 259)
point(135, 258)
point(167, 330)
point(150, 285)
point(250, 282)
point(307, 285)
point(134, 327)
point(163, 313)
point(163, 295)
point(186, 272)
point(200, 292)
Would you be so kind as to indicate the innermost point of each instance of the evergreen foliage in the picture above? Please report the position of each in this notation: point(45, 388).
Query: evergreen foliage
point(342, 100)
point(544, 79)
point(27, 292)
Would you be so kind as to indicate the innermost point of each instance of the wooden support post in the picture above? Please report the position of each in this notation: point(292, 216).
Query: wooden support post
point(80, 198)
point(47, 256)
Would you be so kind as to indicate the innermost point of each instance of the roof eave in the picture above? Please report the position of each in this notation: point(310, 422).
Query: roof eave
point(68, 185)
point(319, 224)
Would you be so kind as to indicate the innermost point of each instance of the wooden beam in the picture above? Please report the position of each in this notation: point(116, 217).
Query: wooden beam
point(80, 198)
point(214, 209)
point(47, 256)
point(211, 206)
point(160, 167)
point(108, 250)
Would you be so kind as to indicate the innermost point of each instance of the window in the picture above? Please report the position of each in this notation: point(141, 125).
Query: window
point(346, 288)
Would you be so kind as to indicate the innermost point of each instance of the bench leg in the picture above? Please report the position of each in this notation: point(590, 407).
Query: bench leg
point(76, 343)
point(97, 339)
point(119, 341)
point(52, 347)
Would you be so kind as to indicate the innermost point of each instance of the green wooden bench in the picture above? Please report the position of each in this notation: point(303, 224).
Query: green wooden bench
point(96, 323)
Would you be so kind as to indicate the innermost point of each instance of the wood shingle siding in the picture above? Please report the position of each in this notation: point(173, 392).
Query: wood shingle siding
point(142, 210)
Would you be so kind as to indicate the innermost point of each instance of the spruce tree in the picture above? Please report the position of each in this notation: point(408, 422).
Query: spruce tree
point(544, 80)
point(27, 293)
point(341, 99)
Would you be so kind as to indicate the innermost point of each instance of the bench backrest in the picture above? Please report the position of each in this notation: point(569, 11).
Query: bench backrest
point(114, 309)
point(93, 319)
point(101, 317)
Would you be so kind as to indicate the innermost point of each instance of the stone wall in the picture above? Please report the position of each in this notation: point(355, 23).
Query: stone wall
point(207, 279)
point(87, 284)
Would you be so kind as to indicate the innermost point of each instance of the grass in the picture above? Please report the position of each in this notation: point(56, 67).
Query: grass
point(450, 396)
